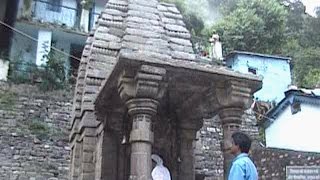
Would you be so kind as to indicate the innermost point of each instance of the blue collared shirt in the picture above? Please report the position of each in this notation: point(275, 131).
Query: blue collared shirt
point(242, 168)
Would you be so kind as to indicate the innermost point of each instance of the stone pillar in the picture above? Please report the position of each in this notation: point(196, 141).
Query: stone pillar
point(141, 92)
point(84, 20)
point(190, 119)
point(187, 161)
point(4, 69)
point(85, 16)
point(99, 152)
point(44, 46)
point(231, 122)
point(233, 97)
point(141, 137)
point(87, 158)
point(75, 161)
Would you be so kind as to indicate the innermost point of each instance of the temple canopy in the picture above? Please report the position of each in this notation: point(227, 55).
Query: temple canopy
point(141, 90)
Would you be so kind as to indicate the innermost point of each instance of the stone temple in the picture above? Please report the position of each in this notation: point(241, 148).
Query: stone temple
point(140, 90)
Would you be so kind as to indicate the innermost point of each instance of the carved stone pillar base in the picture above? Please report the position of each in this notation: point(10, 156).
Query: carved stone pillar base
point(231, 122)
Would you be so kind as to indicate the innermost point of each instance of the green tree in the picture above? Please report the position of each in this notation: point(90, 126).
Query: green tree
point(254, 25)
point(226, 6)
point(307, 67)
point(263, 26)
point(295, 17)
point(303, 45)
point(180, 4)
point(194, 23)
point(310, 36)
point(53, 73)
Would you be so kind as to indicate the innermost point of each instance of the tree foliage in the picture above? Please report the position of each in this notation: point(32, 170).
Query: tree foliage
point(50, 76)
point(279, 27)
point(254, 25)
point(53, 74)
point(307, 67)
point(194, 23)
point(303, 44)
point(274, 27)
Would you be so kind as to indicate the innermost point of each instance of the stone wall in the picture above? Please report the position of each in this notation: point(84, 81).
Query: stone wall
point(271, 163)
point(33, 133)
point(34, 140)
point(209, 157)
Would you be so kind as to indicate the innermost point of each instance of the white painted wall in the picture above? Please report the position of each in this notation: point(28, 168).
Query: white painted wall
point(25, 49)
point(276, 74)
point(298, 132)
point(44, 46)
point(84, 21)
point(4, 68)
point(66, 16)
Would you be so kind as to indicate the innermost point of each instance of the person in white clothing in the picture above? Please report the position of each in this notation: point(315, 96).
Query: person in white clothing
point(159, 172)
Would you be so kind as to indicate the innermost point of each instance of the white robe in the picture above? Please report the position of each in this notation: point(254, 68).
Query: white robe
point(160, 172)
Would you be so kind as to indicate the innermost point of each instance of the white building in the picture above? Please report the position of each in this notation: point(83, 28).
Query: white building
point(275, 70)
point(63, 24)
point(294, 123)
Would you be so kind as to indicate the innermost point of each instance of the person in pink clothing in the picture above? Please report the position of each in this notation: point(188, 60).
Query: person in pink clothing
point(159, 172)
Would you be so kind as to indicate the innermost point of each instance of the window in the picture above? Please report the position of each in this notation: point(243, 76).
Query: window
point(252, 70)
point(54, 5)
point(295, 107)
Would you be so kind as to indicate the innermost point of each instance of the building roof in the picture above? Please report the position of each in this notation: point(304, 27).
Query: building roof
point(233, 53)
point(292, 96)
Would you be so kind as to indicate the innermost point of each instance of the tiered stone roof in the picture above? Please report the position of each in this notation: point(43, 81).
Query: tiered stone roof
point(130, 29)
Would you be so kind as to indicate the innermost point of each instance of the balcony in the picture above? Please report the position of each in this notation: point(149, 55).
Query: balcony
point(64, 13)
point(60, 14)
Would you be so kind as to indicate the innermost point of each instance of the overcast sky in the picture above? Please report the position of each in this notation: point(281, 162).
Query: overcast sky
point(310, 5)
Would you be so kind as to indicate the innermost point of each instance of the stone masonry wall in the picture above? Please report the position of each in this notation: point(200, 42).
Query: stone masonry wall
point(271, 163)
point(34, 140)
point(33, 133)
point(209, 157)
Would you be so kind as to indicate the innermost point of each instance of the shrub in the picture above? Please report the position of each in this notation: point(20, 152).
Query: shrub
point(39, 129)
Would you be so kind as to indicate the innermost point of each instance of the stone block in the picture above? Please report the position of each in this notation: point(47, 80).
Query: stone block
point(182, 42)
point(88, 176)
point(88, 167)
point(143, 14)
point(141, 8)
point(147, 3)
point(87, 157)
point(143, 33)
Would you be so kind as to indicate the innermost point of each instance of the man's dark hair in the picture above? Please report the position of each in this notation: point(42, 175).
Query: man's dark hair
point(242, 140)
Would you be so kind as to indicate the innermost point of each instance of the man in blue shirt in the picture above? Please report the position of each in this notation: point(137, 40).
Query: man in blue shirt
point(242, 168)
